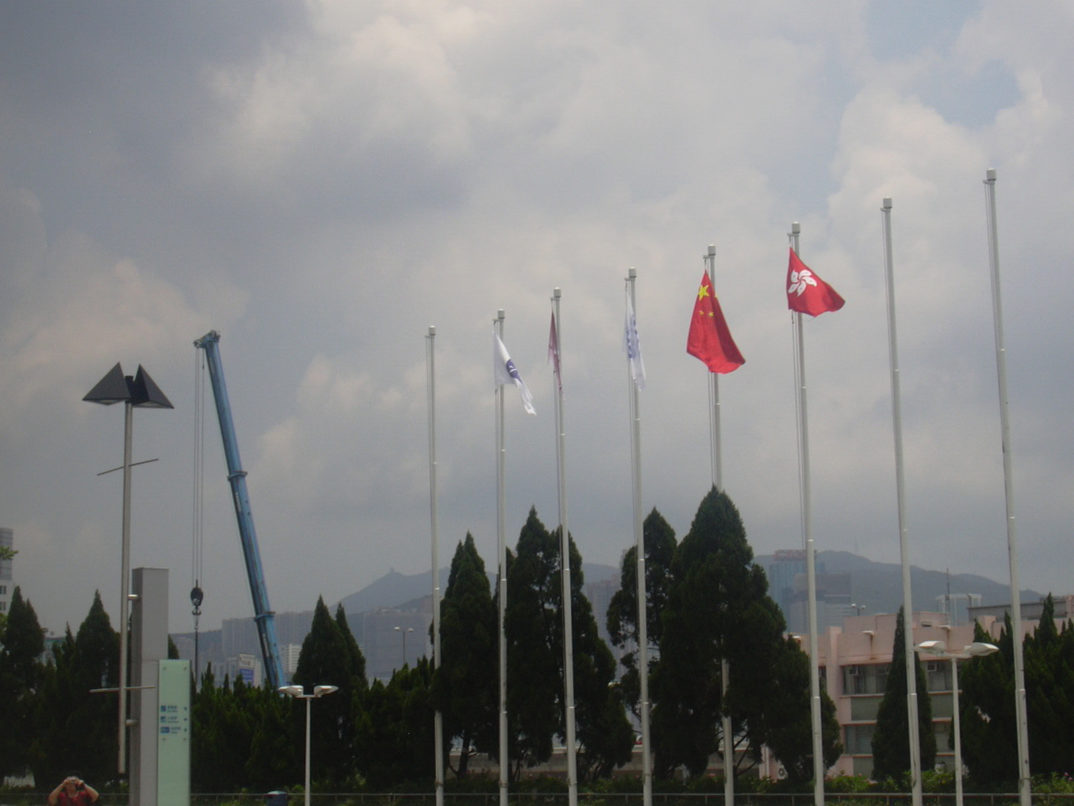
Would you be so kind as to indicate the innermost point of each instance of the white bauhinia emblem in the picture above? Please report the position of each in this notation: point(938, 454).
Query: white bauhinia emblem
point(800, 280)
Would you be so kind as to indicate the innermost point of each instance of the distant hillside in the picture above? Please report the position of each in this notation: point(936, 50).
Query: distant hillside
point(878, 586)
point(395, 589)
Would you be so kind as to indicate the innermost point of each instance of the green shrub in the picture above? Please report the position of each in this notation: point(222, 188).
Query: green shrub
point(848, 783)
point(1055, 783)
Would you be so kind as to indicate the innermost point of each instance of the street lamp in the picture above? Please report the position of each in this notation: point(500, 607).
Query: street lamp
point(299, 693)
point(938, 649)
point(404, 632)
point(139, 391)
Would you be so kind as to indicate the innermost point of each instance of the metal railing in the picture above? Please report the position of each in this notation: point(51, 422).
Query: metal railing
point(585, 799)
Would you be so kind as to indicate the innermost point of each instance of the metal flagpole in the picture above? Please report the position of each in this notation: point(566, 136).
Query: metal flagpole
point(639, 548)
point(565, 566)
point(1024, 782)
point(714, 392)
point(717, 480)
point(807, 531)
point(124, 596)
point(502, 561)
point(908, 612)
point(438, 717)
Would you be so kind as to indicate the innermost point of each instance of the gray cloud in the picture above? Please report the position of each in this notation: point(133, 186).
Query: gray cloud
point(321, 183)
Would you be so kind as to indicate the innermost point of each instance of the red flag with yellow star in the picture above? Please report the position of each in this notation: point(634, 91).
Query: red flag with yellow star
point(709, 338)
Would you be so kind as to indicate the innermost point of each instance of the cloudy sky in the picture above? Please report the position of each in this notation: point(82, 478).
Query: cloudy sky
point(320, 182)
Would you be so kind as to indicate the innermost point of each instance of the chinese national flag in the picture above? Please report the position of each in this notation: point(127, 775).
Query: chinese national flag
point(709, 338)
point(807, 293)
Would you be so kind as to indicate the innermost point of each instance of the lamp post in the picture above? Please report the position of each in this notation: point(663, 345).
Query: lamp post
point(299, 693)
point(938, 649)
point(404, 632)
point(139, 391)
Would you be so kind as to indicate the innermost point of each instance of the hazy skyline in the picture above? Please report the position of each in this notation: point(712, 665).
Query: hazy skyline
point(320, 182)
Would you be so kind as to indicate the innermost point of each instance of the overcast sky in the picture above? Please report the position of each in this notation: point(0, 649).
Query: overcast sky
point(320, 182)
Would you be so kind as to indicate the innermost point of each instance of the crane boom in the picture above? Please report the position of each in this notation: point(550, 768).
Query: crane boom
point(263, 614)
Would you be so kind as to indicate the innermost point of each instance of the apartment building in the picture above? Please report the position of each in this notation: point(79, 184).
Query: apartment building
point(854, 663)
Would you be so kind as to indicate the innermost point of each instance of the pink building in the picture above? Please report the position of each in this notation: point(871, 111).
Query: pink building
point(854, 662)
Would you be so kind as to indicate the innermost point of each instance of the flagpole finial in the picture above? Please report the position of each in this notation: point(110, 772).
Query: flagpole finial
point(556, 293)
point(631, 273)
point(887, 203)
point(990, 176)
point(712, 249)
point(432, 330)
point(796, 228)
point(499, 314)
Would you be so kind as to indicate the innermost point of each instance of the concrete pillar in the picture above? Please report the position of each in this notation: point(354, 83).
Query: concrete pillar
point(149, 646)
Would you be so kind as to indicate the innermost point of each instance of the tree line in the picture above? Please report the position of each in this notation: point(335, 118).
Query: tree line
point(706, 602)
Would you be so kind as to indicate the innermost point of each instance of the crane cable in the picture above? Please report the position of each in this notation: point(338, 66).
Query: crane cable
point(196, 593)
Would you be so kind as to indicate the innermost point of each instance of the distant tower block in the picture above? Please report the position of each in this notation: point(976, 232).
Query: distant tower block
point(7, 541)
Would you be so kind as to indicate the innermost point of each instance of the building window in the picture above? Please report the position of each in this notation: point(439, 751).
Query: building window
point(859, 740)
point(938, 675)
point(865, 678)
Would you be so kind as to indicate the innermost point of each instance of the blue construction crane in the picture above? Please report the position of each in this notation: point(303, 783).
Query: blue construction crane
point(263, 614)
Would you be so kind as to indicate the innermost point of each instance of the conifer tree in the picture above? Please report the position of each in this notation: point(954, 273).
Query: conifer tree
point(21, 675)
point(534, 685)
point(465, 686)
point(535, 660)
point(658, 541)
point(989, 732)
point(96, 665)
point(1049, 664)
point(891, 741)
point(397, 726)
point(327, 658)
point(221, 736)
point(718, 609)
point(989, 738)
point(604, 735)
point(273, 759)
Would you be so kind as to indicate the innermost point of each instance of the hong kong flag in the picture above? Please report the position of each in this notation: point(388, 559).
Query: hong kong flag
point(807, 293)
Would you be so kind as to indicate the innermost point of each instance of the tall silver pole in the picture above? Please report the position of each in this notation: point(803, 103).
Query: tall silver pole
point(717, 480)
point(501, 538)
point(714, 391)
point(438, 717)
point(908, 611)
point(639, 548)
point(124, 587)
point(565, 569)
point(811, 562)
point(956, 724)
point(308, 698)
point(1024, 781)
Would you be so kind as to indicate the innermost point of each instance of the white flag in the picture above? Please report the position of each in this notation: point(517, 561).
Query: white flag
point(632, 345)
point(504, 371)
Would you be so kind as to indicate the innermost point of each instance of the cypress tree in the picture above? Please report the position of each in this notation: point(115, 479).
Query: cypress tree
point(658, 541)
point(21, 676)
point(465, 685)
point(718, 609)
point(327, 658)
point(891, 741)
